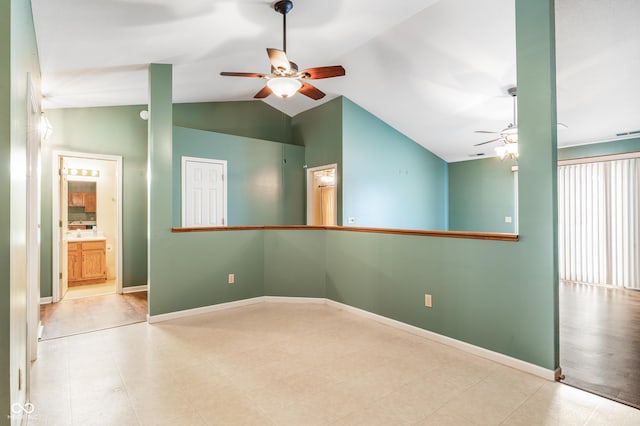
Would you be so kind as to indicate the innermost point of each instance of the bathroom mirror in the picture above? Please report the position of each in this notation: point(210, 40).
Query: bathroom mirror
point(81, 205)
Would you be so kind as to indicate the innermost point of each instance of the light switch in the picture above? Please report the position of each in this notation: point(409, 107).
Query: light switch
point(507, 219)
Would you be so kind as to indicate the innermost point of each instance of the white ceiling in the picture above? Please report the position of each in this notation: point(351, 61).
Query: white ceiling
point(436, 70)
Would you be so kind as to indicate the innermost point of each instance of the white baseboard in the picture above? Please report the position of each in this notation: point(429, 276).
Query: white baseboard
point(40, 330)
point(134, 289)
point(282, 299)
point(46, 300)
point(467, 347)
point(204, 310)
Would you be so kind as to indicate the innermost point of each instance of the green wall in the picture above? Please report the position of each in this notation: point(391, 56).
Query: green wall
point(265, 180)
point(253, 119)
point(295, 263)
point(18, 59)
point(319, 130)
point(481, 191)
point(120, 131)
point(5, 208)
point(191, 269)
point(389, 181)
point(112, 131)
point(536, 260)
point(501, 296)
point(477, 295)
point(188, 270)
point(481, 194)
point(596, 149)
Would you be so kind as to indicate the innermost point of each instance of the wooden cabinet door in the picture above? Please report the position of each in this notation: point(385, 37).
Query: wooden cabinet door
point(93, 260)
point(75, 263)
point(90, 202)
point(76, 199)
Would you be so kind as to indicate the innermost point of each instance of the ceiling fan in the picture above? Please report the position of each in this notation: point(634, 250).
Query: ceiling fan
point(285, 80)
point(508, 135)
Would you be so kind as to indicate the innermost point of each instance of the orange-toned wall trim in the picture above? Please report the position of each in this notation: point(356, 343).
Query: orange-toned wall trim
point(442, 234)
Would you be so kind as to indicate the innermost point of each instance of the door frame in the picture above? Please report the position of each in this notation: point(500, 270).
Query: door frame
point(56, 234)
point(309, 176)
point(183, 186)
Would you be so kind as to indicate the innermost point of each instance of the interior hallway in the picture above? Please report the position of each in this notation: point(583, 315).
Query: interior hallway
point(83, 314)
point(600, 340)
point(291, 364)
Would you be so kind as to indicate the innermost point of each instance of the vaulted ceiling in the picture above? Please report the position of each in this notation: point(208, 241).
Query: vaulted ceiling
point(436, 70)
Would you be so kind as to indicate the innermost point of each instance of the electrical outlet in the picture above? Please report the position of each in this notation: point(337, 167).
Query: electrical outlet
point(232, 278)
point(351, 220)
point(427, 301)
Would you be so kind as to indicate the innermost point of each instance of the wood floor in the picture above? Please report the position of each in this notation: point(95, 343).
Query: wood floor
point(600, 340)
point(86, 314)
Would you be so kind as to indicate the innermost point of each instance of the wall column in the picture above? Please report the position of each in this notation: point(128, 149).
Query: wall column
point(159, 174)
point(537, 127)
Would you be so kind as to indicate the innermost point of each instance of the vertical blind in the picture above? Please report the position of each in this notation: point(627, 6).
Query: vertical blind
point(598, 233)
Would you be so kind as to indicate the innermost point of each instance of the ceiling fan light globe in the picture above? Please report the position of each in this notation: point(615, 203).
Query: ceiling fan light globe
point(284, 87)
point(501, 151)
point(512, 149)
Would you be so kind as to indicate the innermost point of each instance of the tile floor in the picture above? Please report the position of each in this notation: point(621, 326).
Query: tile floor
point(291, 364)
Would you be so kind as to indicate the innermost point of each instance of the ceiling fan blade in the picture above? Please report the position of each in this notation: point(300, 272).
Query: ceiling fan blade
point(263, 93)
point(311, 91)
point(323, 72)
point(278, 60)
point(485, 131)
point(242, 74)
point(492, 140)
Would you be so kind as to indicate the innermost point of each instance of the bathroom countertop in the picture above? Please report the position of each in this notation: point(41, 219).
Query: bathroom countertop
point(74, 238)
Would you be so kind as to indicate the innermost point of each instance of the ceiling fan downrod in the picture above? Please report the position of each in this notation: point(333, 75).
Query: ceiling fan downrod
point(283, 7)
point(513, 91)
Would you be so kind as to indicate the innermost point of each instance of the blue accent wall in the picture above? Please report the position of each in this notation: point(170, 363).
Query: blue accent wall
point(389, 181)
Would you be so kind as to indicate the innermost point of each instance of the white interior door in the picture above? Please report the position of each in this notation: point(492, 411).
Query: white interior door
point(204, 192)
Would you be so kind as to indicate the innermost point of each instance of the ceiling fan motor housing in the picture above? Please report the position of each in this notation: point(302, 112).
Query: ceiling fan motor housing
point(283, 6)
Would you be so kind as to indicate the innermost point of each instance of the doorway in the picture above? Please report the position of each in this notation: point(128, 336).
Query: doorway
point(322, 196)
point(87, 216)
point(87, 289)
